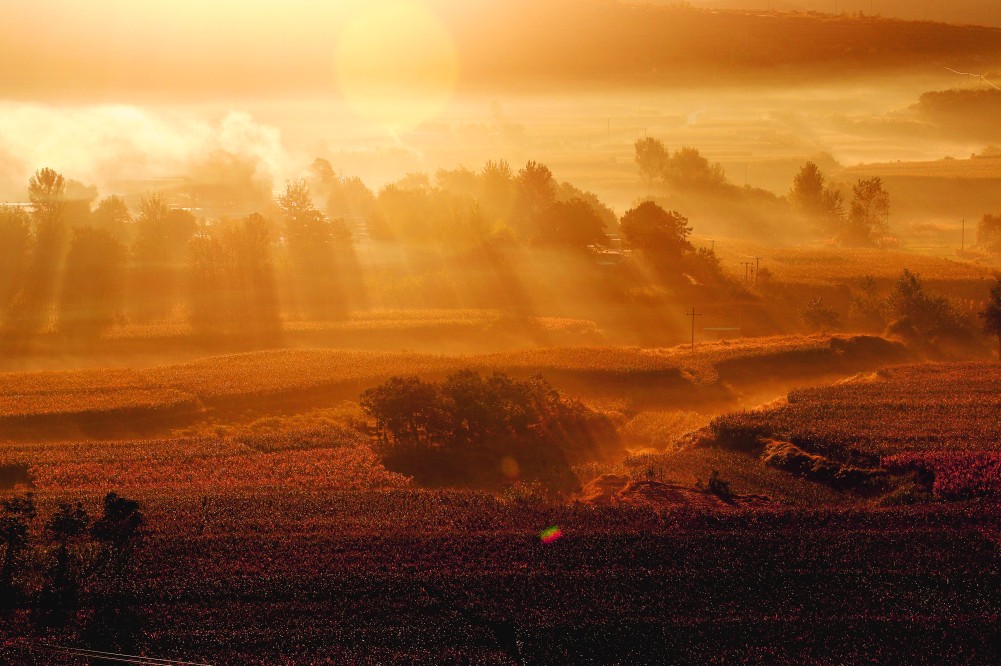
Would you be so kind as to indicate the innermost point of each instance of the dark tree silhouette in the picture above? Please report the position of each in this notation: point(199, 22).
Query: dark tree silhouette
point(498, 190)
point(62, 587)
point(76, 207)
point(118, 530)
point(15, 515)
point(928, 314)
point(991, 314)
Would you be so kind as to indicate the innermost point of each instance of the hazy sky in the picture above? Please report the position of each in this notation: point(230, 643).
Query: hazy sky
point(106, 89)
point(123, 50)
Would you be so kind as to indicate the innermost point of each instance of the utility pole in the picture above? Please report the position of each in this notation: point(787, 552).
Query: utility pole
point(747, 267)
point(713, 247)
point(757, 263)
point(962, 243)
point(693, 314)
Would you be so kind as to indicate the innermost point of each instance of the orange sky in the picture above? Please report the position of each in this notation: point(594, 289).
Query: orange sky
point(126, 51)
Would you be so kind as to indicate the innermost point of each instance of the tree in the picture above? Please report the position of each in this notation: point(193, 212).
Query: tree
point(91, 295)
point(573, 224)
point(929, 314)
point(62, 588)
point(869, 213)
point(808, 188)
point(818, 316)
point(77, 201)
point(118, 530)
point(46, 190)
point(498, 190)
point(650, 228)
point(311, 244)
point(17, 513)
point(159, 251)
point(651, 158)
point(233, 284)
point(689, 169)
point(989, 233)
point(406, 409)
point(112, 215)
point(31, 308)
point(813, 198)
point(15, 247)
point(487, 418)
point(991, 314)
point(536, 191)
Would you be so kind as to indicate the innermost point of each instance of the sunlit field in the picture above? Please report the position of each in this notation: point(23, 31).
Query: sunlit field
point(427, 331)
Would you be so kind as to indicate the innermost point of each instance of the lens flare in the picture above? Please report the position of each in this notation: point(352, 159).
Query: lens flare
point(510, 468)
point(397, 64)
point(551, 534)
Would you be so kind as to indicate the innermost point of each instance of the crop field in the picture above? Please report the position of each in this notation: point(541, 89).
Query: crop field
point(939, 422)
point(307, 548)
point(918, 408)
point(187, 392)
point(327, 577)
point(819, 266)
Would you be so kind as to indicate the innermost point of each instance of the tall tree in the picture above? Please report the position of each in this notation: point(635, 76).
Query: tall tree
point(15, 247)
point(31, 309)
point(112, 215)
point(869, 214)
point(232, 279)
point(812, 197)
point(91, 295)
point(158, 254)
point(311, 244)
point(651, 158)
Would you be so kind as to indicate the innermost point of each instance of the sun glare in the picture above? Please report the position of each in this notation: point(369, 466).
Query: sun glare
point(397, 63)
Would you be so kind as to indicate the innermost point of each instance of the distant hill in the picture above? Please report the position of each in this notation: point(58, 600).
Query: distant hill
point(502, 45)
point(582, 41)
point(976, 12)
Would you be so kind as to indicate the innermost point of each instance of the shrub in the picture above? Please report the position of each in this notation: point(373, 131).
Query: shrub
point(461, 431)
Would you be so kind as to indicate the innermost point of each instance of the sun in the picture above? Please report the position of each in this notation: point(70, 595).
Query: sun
point(397, 63)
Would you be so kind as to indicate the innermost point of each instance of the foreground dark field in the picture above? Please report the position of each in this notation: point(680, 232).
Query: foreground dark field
point(284, 538)
point(441, 577)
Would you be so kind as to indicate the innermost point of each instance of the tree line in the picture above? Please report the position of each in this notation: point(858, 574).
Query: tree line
point(76, 265)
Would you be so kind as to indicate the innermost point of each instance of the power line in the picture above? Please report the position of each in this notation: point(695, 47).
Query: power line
point(109, 656)
point(693, 314)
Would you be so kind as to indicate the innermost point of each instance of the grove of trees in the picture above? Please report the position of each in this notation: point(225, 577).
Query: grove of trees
point(464, 428)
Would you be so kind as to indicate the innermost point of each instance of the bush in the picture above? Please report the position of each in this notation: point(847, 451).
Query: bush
point(790, 458)
point(738, 432)
point(468, 429)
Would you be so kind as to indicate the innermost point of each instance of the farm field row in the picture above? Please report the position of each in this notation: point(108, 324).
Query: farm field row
point(33, 399)
point(376, 576)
